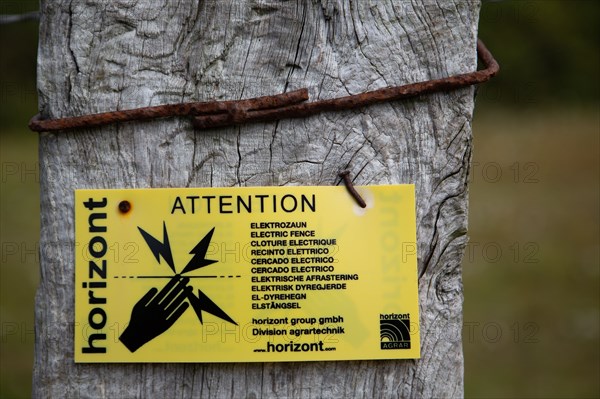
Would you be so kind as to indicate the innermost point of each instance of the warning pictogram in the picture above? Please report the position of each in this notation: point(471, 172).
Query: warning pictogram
point(157, 310)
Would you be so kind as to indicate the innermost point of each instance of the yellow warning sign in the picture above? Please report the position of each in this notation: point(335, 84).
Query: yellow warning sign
point(258, 274)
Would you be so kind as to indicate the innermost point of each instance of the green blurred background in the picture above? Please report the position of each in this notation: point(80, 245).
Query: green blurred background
point(531, 270)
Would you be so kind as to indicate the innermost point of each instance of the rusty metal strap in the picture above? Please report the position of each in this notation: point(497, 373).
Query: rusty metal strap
point(213, 114)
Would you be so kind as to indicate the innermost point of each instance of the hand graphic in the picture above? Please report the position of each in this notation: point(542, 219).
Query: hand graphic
point(155, 313)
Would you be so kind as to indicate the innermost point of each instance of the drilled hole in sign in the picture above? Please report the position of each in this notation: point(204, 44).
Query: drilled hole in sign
point(124, 206)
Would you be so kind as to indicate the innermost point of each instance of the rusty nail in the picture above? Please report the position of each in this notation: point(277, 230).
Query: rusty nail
point(124, 206)
point(345, 175)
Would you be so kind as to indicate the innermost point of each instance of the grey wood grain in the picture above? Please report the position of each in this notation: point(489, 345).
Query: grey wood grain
point(97, 56)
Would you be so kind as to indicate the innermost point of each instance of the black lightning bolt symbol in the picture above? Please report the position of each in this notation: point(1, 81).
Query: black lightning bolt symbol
point(201, 302)
point(160, 248)
point(199, 253)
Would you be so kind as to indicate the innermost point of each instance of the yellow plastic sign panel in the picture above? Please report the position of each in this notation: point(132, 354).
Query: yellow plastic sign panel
point(258, 274)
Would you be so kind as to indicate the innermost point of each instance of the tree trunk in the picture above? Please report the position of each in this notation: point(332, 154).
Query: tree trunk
point(97, 56)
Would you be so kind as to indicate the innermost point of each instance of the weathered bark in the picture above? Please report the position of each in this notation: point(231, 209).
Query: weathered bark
point(97, 56)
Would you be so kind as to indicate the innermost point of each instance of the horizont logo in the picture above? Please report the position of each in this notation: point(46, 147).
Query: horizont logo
point(394, 331)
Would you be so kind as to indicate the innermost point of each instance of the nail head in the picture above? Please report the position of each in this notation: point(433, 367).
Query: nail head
point(124, 206)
